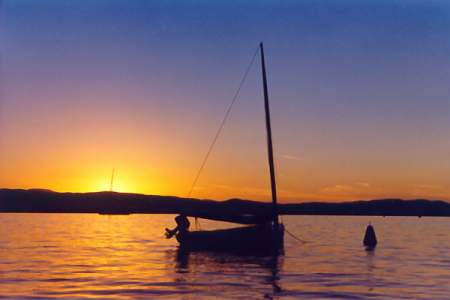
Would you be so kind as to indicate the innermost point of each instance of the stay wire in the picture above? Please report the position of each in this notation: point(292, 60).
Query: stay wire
point(222, 124)
point(296, 238)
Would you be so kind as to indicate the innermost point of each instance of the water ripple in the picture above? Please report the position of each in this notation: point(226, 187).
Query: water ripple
point(89, 256)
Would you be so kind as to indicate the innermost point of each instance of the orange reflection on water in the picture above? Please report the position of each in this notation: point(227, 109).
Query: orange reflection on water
point(101, 256)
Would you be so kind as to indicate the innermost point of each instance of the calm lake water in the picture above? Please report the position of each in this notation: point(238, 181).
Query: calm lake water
point(98, 256)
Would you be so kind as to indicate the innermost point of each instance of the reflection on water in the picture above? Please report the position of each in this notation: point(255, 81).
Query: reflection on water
point(218, 262)
point(127, 257)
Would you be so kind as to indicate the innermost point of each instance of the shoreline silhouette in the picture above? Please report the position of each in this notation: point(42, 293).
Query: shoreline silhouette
point(46, 201)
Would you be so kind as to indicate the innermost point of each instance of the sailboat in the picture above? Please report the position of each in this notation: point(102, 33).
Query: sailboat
point(265, 235)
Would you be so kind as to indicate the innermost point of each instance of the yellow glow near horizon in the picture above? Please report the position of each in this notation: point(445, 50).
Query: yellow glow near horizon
point(124, 182)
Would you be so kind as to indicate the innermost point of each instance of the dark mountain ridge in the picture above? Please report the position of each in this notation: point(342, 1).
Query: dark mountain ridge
point(238, 210)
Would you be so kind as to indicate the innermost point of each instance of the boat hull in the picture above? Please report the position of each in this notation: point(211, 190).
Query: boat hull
point(252, 240)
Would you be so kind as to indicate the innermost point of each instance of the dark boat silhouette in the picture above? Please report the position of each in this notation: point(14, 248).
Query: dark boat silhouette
point(265, 236)
point(260, 239)
point(111, 212)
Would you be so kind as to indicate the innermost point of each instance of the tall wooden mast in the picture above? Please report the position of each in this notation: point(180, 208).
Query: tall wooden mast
point(273, 184)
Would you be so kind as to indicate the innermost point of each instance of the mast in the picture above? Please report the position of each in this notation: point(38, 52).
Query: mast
point(273, 184)
point(112, 180)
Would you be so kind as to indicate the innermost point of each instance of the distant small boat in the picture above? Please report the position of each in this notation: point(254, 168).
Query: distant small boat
point(266, 236)
point(113, 213)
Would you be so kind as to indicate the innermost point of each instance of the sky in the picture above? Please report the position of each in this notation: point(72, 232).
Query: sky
point(359, 91)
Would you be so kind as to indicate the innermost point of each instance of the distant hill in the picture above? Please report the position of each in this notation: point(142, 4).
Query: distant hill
point(236, 210)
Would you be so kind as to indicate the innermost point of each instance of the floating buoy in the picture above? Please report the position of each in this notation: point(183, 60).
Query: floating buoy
point(370, 239)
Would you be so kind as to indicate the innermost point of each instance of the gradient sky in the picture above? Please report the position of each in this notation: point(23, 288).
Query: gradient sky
point(360, 97)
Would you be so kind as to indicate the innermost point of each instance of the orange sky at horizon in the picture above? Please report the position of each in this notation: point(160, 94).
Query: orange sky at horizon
point(165, 160)
point(132, 176)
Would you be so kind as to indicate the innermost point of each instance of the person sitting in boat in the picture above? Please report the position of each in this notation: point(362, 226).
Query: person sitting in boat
point(182, 226)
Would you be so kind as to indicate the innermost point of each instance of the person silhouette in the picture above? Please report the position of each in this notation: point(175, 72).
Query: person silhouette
point(182, 226)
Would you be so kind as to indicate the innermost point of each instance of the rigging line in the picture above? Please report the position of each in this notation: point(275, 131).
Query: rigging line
point(222, 124)
point(296, 238)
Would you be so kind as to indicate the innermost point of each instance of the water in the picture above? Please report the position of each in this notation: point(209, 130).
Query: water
point(127, 257)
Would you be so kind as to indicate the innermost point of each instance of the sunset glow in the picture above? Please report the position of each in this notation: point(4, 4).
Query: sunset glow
point(360, 99)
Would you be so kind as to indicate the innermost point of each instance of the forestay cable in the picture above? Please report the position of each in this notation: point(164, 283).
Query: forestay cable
point(222, 124)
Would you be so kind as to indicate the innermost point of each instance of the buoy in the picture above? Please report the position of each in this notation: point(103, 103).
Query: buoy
point(370, 239)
